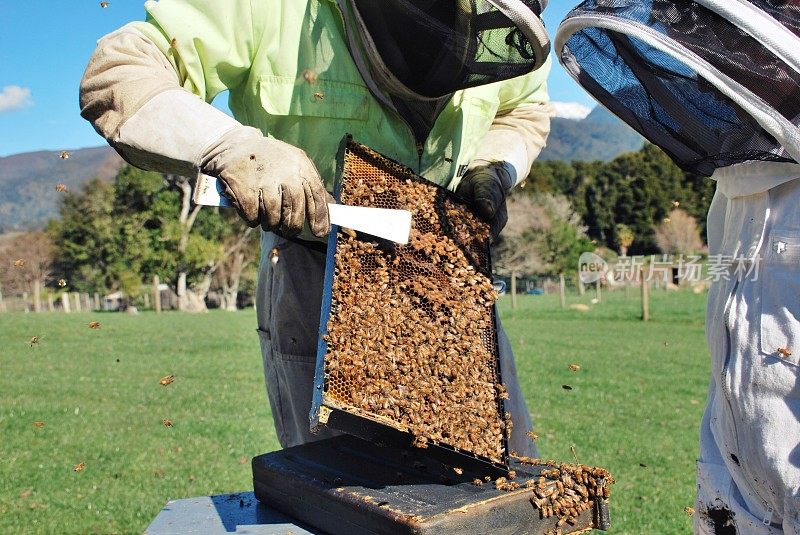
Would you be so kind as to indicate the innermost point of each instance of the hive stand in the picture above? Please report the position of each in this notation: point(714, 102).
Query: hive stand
point(345, 485)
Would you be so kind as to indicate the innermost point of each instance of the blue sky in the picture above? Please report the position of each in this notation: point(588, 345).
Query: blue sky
point(44, 46)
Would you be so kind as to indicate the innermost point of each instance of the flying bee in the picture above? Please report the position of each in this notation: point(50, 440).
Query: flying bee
point(784, 352)
point(94, 324)
point(19, 263)
point(167, 422)
point(104, 4)
point(574, 367)
point(62, 283)
point(166, 380)
point(79, 467)
point(38, 423)
point(61, 187)
point(64, 155)
point(532, 435)
point(319, 95)
point(34, 340)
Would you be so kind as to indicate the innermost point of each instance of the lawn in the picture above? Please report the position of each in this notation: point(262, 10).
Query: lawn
point(634, 408)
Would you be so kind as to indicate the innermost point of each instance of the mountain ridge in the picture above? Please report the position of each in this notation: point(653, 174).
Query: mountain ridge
point(28, 195)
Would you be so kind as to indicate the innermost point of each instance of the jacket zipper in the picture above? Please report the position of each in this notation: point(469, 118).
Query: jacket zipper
point(726, 364)
point(728, 394)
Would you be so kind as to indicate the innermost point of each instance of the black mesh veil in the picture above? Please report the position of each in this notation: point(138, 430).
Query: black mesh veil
point(432, 48)
point(688, 79)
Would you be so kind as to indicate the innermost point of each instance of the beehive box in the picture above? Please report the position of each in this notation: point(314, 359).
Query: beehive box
point(408, 342)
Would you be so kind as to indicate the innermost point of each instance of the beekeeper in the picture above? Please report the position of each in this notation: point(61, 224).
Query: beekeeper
point(455, 90)
point(716, 84)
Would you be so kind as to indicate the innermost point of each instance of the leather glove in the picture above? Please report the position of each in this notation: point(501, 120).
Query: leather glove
point(485, 187)
point(271, 183)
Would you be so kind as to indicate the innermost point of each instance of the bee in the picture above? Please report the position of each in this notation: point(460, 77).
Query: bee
point(477, 482)
point(574, 454)
point(38, 423)
point(62, 283)
point(64, 155)
point(166, 380)
point(566, 387)
point(242, 460)
point(79, 467)
point(19, 263)
point(94, 324)
point(532, 435)
point(61, 187)
point(273, 255)
point(104, 4)
point(34, 340)
point(574, 367)
point(676, 203)
point(319, 95)
point(458, 471)
point(667, 220)
point(173, 44)
point(784, 352)
point(689, 510)
point(167, 422)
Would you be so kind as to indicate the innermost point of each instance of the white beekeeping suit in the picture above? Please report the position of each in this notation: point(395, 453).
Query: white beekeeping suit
point(716, 84)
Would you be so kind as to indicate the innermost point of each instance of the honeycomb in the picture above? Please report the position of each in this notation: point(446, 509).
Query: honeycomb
point(411, 339)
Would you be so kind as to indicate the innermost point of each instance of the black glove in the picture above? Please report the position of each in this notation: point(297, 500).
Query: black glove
point(485, 188)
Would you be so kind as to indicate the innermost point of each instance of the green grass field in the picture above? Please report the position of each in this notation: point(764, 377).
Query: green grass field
point(634, 408)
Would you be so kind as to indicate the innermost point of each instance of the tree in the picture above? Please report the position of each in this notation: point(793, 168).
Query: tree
point(544, 235)
point(144, 225)
point(27, 260)
point(678, 234)
point(625, 238)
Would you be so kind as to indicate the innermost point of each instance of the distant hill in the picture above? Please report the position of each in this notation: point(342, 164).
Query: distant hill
point(28, 196)
point(600, 136)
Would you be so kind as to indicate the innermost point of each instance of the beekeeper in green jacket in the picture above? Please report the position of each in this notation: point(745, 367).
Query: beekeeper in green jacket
point(454, 89)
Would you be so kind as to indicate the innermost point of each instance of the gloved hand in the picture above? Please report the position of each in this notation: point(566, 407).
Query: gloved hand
point(485, 187)
point(270, 182)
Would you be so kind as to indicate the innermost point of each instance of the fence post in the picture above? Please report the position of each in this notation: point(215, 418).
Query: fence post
point(581, 287)
point(156, 294)
point(65, 302)
point(37, 296)
point(87, 302)
point(2, 303)
point(77, 297)
point(562, 290)
point(50, 305)
point(645, 300)
point(96, 301)
point(597, 291)
point(513, 289)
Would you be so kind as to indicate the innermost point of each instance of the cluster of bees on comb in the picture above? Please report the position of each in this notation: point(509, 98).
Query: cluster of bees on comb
point(410, 338)
point(565, 490)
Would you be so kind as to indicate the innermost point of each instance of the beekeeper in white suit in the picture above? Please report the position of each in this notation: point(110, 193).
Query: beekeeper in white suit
point(456, 90)
point(716, 84)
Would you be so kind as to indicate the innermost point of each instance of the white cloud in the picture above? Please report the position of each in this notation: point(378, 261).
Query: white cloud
point(14, 97)
point(571, 110)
